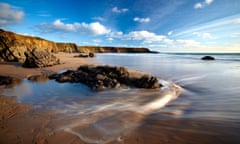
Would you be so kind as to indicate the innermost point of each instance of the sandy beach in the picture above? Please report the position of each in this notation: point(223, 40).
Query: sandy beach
point(19, 122)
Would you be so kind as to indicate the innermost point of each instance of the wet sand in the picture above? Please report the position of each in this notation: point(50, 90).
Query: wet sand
point(20, 124)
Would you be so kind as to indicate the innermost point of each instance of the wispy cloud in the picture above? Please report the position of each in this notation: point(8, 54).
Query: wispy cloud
point(110, 39)
point(170, 33)
point(203, 4)
point(237, 21)
point(203, 35)
point(98, 18)
point(142, 20)
point(10, 14)
point(216, 25)
point(152, 40)
point(94, 28)
point(97, 40)
point(117, 10)
point(44, 15)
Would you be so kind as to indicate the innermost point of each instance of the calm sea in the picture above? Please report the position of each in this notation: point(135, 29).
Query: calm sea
point(210, 92)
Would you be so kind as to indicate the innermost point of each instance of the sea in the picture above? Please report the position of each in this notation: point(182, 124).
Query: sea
point(198, 103)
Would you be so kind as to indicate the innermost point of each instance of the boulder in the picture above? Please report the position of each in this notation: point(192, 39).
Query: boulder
point(85, 55)
point(208, 58)
point(100, 78)
point(39, 58)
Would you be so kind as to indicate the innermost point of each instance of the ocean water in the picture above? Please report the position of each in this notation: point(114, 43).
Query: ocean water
point(210, 92)
point(211, 88)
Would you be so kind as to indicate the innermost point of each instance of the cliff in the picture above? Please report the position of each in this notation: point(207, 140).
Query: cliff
point(100, 49)
point(13, 46)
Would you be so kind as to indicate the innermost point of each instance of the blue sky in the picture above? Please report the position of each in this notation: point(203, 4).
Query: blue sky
point(163, 25)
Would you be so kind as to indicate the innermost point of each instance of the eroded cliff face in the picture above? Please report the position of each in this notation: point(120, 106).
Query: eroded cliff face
point(13, 46)
point(99, 49)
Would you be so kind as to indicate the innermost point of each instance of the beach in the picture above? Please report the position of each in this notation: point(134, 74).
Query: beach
point(19, 122)
point(49, 112)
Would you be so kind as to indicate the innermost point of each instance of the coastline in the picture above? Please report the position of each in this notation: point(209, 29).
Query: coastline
point(20, 123)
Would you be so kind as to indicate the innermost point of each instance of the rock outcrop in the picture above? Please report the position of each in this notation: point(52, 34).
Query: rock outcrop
point(106, 77)
point(13, 46)
point(208, 58)
point(9, 81)
point(39, 58)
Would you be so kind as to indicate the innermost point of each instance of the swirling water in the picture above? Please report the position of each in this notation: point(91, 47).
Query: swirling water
point(212, 88)
point(211, 91)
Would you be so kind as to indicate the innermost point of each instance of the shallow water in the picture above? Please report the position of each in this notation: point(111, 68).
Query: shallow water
point(211, 88)
point(211, 93)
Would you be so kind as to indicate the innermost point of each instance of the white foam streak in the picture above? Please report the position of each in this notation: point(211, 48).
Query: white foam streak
point(86, 139)
point(155, 105)
point(109, 119)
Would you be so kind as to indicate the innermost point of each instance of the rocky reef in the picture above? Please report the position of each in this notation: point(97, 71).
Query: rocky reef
point(13, 46)
point(100, 78)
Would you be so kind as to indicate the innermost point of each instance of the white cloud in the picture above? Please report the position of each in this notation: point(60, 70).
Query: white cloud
point(203, 35)
point(94, 28)
point(198, 5)
point(170, 33)
point(145, 36)
point(116, 10)
point(10, 14)
point(149, 39)
point(203, 4)
point(110, 39)
point(187, 42)
point(208, 1)
point(142, 20)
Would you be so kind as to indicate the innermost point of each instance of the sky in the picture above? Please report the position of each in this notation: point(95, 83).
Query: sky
point(161, 25)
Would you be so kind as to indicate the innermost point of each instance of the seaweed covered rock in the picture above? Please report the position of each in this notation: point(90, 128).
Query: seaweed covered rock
point(39, 58)
point(105, 77)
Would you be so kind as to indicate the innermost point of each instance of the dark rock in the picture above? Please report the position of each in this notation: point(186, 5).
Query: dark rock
point(208, 58)
point(39, 59)
point(100, 78)
point(91, 54)
point(9, 81)
point(85, 55)
point(147, 81)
